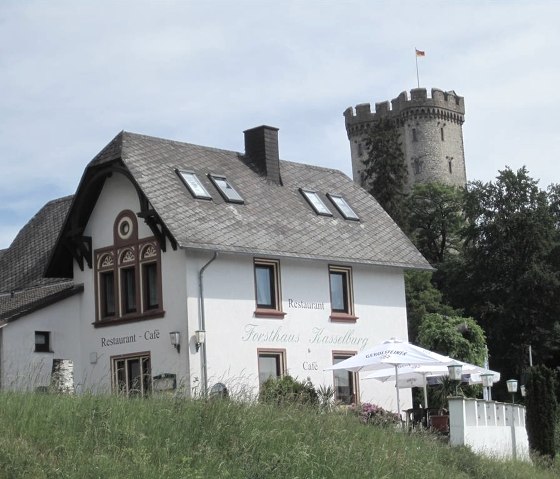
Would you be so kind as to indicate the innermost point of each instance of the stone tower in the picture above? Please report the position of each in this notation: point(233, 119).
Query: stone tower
point(431, 135)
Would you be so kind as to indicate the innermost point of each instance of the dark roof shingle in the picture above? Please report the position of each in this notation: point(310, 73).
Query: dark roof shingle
point(274, 220)
point(22, 302)
point(23, 264)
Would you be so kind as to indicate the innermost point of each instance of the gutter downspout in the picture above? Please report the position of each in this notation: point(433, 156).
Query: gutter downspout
point(202, 327)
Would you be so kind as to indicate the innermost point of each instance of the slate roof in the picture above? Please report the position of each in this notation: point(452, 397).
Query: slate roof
point(274, 220)
point(19, 303)
point(23, 264)
point(23, 287)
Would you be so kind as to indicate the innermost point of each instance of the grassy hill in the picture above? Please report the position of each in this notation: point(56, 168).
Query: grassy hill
point(48, 436)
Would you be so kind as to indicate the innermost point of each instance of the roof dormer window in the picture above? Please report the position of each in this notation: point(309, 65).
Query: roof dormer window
point(228, 192)
point(194, 185)
point(343, 207)
point(316, 202)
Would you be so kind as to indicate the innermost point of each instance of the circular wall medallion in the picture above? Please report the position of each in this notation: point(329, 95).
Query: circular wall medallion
point(125, 228)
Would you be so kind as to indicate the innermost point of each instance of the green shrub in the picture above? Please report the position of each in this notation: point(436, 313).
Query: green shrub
point(542, 410)
point(376, 415)
point(287, 390)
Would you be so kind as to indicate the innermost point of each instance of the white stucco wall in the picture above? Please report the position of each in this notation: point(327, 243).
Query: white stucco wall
point(233, 335)
point(148, 335)
point(22, 367)
point(308, 336)
point(488, 427)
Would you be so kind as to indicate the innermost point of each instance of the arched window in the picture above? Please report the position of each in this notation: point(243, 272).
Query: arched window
point(128, 275)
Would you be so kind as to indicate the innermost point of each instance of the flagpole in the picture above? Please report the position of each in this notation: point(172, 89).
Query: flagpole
point(417, 76)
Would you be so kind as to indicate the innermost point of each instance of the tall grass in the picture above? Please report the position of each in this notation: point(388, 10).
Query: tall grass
point(47, 436)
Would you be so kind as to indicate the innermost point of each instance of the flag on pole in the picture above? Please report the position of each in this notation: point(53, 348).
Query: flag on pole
point(420, 53)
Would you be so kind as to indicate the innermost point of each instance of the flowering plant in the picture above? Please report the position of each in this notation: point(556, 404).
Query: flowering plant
point(374, 414)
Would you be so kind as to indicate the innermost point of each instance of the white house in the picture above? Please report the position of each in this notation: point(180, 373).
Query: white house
point(184, 266)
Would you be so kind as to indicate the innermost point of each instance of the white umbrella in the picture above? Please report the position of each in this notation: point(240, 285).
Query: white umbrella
point(393, 352)
point(414, 375)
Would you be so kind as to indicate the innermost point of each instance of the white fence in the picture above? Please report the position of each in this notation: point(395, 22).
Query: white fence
point(488, 427)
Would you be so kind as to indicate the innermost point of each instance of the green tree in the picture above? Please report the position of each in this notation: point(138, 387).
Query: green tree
point(456, 336)
point(422, 298)
point(435, 220)
point(385, 171)
point(506, 277)
point(542, 410)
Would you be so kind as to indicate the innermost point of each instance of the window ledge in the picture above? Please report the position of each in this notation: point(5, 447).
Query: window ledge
point(129, 319)
point(43, 352)
point(269, 313)
point(343, 318)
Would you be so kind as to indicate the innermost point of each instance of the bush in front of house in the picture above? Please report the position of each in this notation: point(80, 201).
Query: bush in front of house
point(287, 390)
point(374, 414)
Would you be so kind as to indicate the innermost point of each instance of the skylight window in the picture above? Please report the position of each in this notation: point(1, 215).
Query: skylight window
point(194, 185)
point(343, 207)
point(316, 202)
point(225, 188)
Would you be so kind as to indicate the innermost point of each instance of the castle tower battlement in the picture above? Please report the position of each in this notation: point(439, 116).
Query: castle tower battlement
point(431, 133)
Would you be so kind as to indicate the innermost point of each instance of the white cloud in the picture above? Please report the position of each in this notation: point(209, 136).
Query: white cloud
point(76, 73)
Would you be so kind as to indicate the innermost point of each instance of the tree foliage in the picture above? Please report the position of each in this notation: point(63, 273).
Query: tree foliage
point(385, 171)
point(542, 410)
point(506, 276)
point(455, 336)
point(435, 220)
point(422, 298)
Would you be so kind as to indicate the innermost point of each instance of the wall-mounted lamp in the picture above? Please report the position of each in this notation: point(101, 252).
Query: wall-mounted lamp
point(523, 391)
point(175, 337)
point(199, 338)
point(512, 388)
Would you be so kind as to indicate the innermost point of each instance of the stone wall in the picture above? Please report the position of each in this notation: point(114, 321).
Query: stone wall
point(431, 134)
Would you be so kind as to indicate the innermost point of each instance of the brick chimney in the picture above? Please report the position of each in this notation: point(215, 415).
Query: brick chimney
point(261, 146)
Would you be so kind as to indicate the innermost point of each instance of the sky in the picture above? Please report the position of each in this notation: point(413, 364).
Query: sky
point(74, 73)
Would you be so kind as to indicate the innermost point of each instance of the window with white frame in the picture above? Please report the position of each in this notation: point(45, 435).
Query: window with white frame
point(316, 202)
point(343, 207)
point(194, 185)
point(226, 189)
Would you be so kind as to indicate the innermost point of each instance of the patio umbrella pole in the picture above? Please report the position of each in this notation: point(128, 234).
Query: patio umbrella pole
point(397, 386)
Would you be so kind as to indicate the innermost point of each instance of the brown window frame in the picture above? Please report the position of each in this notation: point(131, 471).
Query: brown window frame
point(345, 314)
point(281, 365)
point(275, 309)
point(126, 260)
point(146, 378)
point(105, 278)
point(353, 377)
